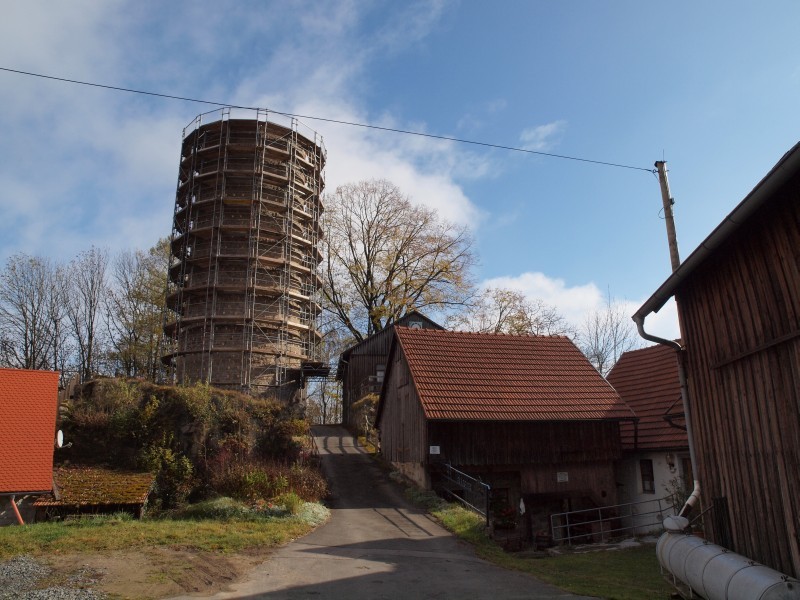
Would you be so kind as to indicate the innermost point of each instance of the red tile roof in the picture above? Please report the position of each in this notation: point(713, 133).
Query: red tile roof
point(647, 380)
point(480, 376)
point(28, 404)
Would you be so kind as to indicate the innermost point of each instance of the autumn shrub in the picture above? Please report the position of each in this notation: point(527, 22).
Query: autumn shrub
point(307, 481)
point(248, 481)
point(199, 440)
point(265, 480)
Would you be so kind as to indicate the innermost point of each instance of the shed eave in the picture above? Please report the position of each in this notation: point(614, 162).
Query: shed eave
point(787, 166)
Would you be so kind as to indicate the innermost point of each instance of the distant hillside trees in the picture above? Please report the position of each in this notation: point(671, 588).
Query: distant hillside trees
point(86, 292)
point(384, 256)
point(500, 310)
point(135, 308)
point(92, 315)
point(32, 316)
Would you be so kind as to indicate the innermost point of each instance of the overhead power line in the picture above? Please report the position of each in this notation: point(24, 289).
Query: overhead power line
point(327, 120)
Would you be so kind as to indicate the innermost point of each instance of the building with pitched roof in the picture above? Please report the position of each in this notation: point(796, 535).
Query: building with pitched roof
point(362, 366)
point(655, 460)
point(527, 414)
point(738, 298)
point(28, 406)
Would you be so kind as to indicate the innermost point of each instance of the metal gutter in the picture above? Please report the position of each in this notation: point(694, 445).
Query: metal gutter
point(694, 497)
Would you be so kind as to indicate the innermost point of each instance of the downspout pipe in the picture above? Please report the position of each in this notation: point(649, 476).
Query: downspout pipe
point(694, 497)
point(13, 500)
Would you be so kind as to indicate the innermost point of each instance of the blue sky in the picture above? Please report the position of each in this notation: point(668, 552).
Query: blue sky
point(711, 87)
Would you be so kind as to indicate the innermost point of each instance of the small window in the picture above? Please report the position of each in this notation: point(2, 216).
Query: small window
point(648, 481)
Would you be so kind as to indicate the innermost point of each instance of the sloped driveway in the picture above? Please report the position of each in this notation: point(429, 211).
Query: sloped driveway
point(377, 546)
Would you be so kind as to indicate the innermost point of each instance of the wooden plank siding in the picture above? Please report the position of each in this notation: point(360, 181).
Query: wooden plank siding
point(472, 444)
point(538, 451)
point(740, 315)
point(402, 424)
point(359, 363)
point(595, 480)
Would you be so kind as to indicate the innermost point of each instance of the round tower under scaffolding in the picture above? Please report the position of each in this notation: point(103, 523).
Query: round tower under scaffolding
point(243, 280)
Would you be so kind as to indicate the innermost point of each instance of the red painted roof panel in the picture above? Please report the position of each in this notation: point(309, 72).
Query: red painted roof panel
point(28, 404)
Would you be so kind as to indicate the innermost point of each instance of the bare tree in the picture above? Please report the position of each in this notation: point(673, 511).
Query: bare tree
point(134, 310)
point(606, 334)
point(324, 397)
point(499, 310)
point(324, 403)
point(31, 314)
point(63, 347)
point(86, 299)
point(384, 257)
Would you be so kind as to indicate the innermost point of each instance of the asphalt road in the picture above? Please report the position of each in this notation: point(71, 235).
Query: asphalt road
point(377, 546)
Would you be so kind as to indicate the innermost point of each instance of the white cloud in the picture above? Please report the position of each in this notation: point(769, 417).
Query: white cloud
point(91, 166)
point(542, 137)
point(576, 302)
point(573, 302)
point(423, 172)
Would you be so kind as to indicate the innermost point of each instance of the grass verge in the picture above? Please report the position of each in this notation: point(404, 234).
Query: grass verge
point(216, 529)
point(630, 574)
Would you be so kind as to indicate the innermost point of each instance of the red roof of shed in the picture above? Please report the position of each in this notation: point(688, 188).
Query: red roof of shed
point(647, 380)
point(480, 376)
point(28, 404)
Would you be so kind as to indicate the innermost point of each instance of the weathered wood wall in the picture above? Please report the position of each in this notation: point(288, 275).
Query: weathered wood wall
point(362, 360)
point(740, 313)
point(469, 443)
point(402, 421)
point(361, 366)
point(593, 479)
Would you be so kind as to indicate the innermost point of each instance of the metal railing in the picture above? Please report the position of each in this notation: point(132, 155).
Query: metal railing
point(583, 526)
point(469, 491)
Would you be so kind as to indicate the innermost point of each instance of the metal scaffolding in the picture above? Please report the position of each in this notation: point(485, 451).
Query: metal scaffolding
point(243, 281)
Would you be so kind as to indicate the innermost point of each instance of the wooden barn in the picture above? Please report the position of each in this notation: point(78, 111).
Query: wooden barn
point(361, 367)
point(527, 414)
point(738, 297)
point(655, 452)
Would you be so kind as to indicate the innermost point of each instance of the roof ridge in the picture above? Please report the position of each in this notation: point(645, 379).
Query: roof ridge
point(483, 333)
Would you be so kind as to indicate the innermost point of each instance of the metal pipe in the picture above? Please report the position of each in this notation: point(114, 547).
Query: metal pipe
point(13, 501)
point(694, 497)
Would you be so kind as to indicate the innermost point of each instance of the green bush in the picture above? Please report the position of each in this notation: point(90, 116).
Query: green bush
point(290, 501)
point(173, 473)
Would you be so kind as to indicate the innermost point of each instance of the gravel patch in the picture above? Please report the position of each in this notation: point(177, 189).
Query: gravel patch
point(20, 577)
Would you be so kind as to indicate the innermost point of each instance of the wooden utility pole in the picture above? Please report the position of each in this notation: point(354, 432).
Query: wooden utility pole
point(667, 200)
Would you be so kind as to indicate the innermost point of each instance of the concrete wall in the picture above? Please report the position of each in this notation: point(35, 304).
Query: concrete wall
point(648, 512)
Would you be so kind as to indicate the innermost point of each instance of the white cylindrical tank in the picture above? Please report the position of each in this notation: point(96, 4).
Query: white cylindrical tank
point(715, 573)
point(696, 562)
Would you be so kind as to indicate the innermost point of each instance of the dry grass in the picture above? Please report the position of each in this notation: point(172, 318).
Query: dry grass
point(106, 534)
